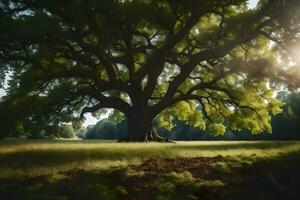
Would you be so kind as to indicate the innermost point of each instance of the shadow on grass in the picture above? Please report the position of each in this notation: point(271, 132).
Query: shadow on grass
point(76, 184)
point(275, 179)
point(112, 184)
point(57, 157)
point(237, 145)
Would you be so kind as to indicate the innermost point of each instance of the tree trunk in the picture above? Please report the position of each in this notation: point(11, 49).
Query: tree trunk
point(154, 136)
point(139, 120)
point(140, 129)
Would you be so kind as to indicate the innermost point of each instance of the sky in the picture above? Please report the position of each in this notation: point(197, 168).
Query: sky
point(90, 120)
point(2, 92)
point(253, 3)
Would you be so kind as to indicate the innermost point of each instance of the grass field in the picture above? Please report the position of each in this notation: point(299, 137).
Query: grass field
point(185, 170)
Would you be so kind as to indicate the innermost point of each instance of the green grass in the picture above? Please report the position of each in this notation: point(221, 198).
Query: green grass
point(34, 158)
point(109, 170)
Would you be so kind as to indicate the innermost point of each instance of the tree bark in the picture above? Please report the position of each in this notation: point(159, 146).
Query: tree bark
point(140, 129)
point(154, 136)
point(139, 119)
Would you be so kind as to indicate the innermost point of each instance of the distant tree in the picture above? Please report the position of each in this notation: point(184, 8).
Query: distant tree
point(286, 125)
point(81, 133)
point(147, 59)
point(104, 129)
point(66, 131)
point(107, 129)
point(49, 132)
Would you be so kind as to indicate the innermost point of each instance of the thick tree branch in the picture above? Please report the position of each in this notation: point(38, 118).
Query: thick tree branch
point(109, 102)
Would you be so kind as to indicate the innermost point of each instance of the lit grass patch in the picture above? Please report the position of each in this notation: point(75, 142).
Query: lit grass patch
point(234, 162)
point(183, 186)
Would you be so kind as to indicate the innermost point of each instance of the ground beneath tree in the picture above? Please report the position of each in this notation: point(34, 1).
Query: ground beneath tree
point(258, 180)
point(199, 166)
point(205, 178)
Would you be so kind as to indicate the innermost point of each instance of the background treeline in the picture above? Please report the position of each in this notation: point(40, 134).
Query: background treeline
point(63, 131)
point(286, 126)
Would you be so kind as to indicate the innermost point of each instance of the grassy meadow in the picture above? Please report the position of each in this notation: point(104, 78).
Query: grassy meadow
point(184, 170)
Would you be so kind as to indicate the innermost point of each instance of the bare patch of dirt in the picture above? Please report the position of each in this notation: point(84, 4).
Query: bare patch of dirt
point(198, 166)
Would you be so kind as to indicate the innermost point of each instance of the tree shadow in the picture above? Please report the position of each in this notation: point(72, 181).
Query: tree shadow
point(76, 184)
point(265, 145)
point(57, 157)
point(261, 180)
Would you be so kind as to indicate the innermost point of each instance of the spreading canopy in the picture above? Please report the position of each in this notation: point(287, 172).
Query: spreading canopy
point(211, 64)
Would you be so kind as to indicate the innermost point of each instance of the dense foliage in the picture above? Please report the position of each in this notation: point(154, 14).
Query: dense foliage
point(147, 59)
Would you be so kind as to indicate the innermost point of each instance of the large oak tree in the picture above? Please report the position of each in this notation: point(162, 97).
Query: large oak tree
point(211, 64)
